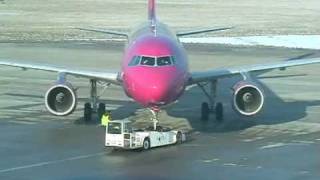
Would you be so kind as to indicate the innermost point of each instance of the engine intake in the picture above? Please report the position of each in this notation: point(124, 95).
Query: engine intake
point(248, 99)
point(61, 99)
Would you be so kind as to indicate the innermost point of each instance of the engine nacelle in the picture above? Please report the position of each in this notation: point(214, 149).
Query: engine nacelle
point(61, 99)
point(248, 99)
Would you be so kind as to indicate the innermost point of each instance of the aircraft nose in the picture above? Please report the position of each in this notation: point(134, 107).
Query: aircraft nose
point(159, 91)
point(154, 87)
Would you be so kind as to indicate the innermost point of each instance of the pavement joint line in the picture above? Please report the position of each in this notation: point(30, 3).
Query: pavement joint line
point(47, 163)
point(23, 122)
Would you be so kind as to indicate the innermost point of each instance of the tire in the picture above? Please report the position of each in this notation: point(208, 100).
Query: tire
point(205, 111)
point(219, 111)
point(146, 144)
point(101, 110)
point(87, 112)
point(179, 138)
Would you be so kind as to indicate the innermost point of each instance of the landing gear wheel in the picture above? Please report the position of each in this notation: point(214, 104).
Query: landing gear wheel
point(146, 144)
point(101, 110)
point(87, 112)
point(205, 111)
point(179, 138)
point(219, 111)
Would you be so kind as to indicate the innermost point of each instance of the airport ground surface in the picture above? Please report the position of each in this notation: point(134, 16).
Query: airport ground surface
point(280, 143)
point(41, 20)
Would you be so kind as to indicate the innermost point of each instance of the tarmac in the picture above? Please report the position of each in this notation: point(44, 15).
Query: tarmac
point(49, 20)
point(282, 142)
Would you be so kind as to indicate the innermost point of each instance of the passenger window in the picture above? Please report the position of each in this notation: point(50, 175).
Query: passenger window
point(164, 61)
point(147, 61)
point(135, 61)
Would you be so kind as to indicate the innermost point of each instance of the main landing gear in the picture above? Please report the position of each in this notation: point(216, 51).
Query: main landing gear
point(212, 106)
point(94, 108)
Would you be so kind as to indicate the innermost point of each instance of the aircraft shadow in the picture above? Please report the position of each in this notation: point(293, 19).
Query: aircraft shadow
point(124, 108)
point(275, 109)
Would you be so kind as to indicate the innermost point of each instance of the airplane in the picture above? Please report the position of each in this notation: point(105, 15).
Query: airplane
point(155, 73)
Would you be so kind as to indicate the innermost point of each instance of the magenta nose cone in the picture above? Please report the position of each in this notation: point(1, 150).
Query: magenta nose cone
point(152, 86)
point(159, 91)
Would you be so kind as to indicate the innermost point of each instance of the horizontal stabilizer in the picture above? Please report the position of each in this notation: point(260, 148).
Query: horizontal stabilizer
point(179, 34)
point(117, 33)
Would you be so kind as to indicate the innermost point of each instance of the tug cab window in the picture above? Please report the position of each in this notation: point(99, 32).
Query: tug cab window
point(164, 61)
point(148, 61)
point(114, 128)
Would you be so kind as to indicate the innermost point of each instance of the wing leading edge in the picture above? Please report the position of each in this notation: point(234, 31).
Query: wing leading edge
point(112, 77)
point(117, 33)
point(201, 31)
point(219, 73)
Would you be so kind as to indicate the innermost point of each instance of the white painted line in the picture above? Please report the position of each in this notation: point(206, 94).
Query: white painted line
point(191, 145)
point(313, 112)
point(253, 139)
point(210, 160)
point(304, 172)
point(46, 163)
point(303, 142)
point(273, 146)
point(9, 14)
point(22, 122)
point(230, 164)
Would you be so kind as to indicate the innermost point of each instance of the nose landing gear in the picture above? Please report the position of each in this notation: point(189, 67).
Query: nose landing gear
point(155, 118)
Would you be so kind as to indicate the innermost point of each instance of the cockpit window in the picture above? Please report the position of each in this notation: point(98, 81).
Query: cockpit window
point(152, 61)
point(135, 61)
point(148, 61)
point(164, 61)
point(173, 59)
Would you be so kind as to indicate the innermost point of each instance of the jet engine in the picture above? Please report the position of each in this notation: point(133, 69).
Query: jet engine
point(61, 99)
point(248, 99)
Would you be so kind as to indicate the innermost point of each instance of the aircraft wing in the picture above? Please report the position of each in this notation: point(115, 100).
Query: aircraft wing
point(200, 31)
point(112, 77)
point(219, 73)
point(117, 33)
